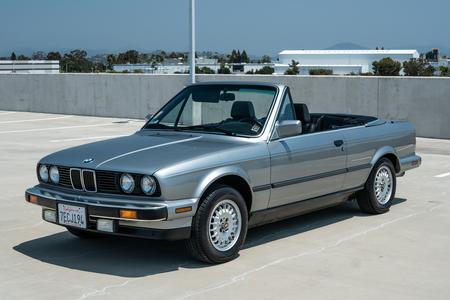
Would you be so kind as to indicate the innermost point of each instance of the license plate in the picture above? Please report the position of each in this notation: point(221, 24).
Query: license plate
point(72, 215)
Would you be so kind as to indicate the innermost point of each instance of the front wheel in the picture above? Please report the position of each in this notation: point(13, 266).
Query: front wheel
point(379, 191)
point(219, 227)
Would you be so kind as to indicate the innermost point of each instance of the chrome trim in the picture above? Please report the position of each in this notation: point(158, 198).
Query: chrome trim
point(95, 180)
point(81, 179)
point(123, 219)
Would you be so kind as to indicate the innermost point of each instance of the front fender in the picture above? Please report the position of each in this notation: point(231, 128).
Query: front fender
point(213, 175)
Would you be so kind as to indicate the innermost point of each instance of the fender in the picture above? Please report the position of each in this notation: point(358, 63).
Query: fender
point(382, 152)
point(215, 174)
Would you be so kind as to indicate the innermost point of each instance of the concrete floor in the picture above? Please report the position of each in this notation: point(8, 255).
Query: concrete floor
point(338, 253)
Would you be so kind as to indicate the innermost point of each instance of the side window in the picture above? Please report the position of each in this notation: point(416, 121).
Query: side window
point(286, 112)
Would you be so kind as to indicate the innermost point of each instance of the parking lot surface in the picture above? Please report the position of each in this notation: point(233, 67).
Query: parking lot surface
point(338, 253)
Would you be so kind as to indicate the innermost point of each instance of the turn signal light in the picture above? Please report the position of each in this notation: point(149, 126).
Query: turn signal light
point(128, 214)
point(183, 209)
point(33, 199)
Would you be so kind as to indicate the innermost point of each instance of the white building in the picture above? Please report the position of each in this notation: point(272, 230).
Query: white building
point(29, 66)
point(341, 62)
point(175, 66)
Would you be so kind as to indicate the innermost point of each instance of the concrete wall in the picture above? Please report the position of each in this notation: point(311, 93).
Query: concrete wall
point(423, 101)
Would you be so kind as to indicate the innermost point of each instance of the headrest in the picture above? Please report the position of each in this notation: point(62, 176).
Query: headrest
point(242, 110)
point(302, 112)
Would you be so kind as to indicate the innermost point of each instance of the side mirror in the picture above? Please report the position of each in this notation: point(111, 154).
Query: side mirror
point(148, 117)
point(287, 128)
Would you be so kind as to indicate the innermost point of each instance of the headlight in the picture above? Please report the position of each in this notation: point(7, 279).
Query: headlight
point(54, 174)
point(43, 173)
point(127, 183)
point(148, 185)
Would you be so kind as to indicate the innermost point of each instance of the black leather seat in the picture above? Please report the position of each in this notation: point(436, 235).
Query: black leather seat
point(242, 110)
point(302, 114)
point(329, 123)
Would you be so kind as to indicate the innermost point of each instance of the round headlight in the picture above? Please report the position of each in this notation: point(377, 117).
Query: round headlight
point(148, 185)
point(127, 183)
point(43, 173)
point(54, 174)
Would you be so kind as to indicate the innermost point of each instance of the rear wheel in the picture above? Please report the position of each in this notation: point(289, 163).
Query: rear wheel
point(379, 191)
point(219, 227)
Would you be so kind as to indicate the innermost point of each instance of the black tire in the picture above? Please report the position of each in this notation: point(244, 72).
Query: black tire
point(83, 234)
point(367, 199)
point(199, 245)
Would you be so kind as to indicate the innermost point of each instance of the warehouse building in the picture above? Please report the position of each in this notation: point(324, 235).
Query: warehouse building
point(340, 62)
point(29, 66)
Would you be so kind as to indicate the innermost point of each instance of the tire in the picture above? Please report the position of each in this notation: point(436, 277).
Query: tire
point(217, 245)
point(382, 182)
point(83, 234)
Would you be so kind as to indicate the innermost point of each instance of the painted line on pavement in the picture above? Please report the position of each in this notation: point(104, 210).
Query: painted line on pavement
point(442, 175)
point(56, 128)
point(87, 138)
point(34, 120)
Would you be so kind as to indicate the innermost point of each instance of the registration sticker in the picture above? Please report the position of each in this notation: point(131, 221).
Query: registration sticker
point(255, 128)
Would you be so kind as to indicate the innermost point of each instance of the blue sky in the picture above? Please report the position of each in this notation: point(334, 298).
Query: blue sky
point(260, 26)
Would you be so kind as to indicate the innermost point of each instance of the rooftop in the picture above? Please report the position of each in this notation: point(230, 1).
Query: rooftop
point(362, 52)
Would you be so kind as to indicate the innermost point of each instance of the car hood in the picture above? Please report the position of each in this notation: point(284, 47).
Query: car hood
point(142, 152)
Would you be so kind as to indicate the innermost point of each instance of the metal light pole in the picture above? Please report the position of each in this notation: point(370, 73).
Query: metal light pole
point(192, 35)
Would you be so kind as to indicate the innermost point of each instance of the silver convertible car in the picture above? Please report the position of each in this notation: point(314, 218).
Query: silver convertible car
point(218, 159)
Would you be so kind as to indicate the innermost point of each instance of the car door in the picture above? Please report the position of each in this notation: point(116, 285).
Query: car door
point(307, 165)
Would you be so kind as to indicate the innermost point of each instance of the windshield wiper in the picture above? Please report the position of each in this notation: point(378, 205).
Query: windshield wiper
point(158, 126)
point(207, 128)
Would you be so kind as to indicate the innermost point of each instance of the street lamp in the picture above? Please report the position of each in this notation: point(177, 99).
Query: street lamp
point(192, 35)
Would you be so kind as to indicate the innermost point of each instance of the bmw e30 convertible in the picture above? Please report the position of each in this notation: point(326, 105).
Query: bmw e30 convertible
point(218, 159)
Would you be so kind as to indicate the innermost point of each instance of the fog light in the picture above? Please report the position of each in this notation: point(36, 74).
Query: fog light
point(105, 225)
point(49, 215)
point(128, 214)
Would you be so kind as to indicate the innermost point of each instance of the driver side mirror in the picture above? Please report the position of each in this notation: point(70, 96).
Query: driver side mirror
point(287, 128)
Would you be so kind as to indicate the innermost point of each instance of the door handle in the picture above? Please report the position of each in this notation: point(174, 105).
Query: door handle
point(338, 143)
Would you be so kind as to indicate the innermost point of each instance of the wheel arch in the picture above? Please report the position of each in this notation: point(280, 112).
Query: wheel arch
point(389, 153)
point(234, 177)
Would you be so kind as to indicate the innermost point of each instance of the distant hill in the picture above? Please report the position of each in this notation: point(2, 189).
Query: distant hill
point(346, 46)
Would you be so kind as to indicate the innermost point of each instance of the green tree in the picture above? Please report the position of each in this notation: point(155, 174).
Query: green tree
point(39, 55)
point(293, 68)
point(417, 67)
point(320, 72)
point(204, 70)
point(244, 57)
point(76, 62)
point(111, 60)
point(129, 57)
point(13, 56)
point(265, 59)
point(22, 57)
point(266, 70)
point(54, 56)
point(386, 67)
point(445, 71)
point(223, 69)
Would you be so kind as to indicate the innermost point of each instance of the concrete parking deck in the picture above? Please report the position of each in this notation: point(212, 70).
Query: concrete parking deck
point(338, 253)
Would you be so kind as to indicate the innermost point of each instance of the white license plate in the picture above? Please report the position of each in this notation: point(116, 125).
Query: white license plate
point(71, 215)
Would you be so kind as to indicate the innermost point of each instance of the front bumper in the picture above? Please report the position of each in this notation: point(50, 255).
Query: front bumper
point(154, 219)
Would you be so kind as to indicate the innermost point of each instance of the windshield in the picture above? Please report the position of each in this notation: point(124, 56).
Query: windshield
point(221, 109)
